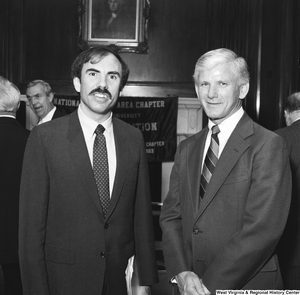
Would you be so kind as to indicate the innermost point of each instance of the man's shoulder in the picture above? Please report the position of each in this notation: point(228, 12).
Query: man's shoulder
point(61, 120)
point(53, 127)
point(282, 131)
point(200, 135)
point(59, 112)
point(126, 127)
point(291, 134)
point(8, 124)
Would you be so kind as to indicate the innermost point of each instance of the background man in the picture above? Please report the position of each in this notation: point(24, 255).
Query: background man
point(220, 230)
point(81, 228)
point(13, 140)
point(289, 246)
point(40, 97)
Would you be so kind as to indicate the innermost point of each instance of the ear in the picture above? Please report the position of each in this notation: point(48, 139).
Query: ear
point(244, 90)
point(77, 84)
point(51, 96)
point(197, 90)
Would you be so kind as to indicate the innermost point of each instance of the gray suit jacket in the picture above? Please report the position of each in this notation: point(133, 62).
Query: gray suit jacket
point(66, 245)
point(229, 239)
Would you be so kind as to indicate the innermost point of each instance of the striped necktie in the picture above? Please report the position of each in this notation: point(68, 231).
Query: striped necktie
point(210, 161)
point(100, 168)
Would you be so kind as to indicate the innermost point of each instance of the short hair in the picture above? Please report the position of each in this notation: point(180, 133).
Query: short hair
point(96, 54)
point(222, 56)
point(46, 86)
point(293, 102)
point(9, 96)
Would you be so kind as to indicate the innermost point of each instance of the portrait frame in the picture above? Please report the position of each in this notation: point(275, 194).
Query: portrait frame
point(130, 36)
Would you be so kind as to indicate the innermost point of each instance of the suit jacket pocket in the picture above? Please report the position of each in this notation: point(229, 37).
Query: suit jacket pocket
point(59, 255)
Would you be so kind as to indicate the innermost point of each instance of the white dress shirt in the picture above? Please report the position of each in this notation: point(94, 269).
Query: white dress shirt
point(48, 117)
point(8, 116)
point(88, 127)
point(226, 128)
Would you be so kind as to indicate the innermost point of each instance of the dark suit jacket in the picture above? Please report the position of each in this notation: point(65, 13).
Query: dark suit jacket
point(66, 245)
point(230, 241)
point(289, 247)
point(12, 146)
point(59, 112)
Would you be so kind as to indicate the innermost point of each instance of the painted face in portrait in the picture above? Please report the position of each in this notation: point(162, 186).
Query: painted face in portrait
point(220, 92)
point(114, 5)
point(39, 101)
point(99, 87)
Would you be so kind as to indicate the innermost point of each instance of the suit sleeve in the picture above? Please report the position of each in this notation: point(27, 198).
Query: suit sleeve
point(265, 215)
point(175, 253)
point(33, 215)
point(143, 224)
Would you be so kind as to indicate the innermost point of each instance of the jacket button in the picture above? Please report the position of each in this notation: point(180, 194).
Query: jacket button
point(196, 231)
point(102, 254)
point(106, 225)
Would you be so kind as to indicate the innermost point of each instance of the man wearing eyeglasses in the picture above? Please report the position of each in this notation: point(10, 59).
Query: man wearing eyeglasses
point(40, 98)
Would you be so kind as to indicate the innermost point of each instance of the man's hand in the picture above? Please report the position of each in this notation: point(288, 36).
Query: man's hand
point(190, 284)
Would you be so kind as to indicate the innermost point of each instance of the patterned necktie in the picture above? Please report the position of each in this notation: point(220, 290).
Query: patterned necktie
point(100, 167)
point(210, 161)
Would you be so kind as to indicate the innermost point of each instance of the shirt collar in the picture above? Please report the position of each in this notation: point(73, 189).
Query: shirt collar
point(296, 120)
point(48, 117)
point(89, 126)
point(228, 125)
point(7, 116)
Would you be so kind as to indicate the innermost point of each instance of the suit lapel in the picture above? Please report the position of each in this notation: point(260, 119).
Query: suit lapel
point(195, 154)
point(235, 147)
point(122, 164)
point(79, 153)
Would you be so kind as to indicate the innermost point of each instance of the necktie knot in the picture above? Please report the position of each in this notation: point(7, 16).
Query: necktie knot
point(215, 130)
point(99, 130)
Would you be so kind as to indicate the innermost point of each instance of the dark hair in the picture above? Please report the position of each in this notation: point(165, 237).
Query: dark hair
point(95, 54)
point(293, 102)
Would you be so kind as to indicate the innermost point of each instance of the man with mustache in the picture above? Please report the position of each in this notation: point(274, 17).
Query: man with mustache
point(80, 233)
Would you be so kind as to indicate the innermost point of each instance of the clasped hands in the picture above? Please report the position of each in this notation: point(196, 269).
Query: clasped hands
point(190, 284)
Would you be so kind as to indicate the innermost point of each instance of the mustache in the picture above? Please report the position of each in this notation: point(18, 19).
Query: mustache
point(101, 91)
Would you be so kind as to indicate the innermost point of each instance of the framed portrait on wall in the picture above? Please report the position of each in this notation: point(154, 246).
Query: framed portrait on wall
point(122, 23)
